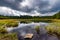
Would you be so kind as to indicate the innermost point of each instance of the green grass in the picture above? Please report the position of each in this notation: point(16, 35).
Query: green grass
point(3, 32)
point(12, 36)
point(9, 23)
point(52, 28)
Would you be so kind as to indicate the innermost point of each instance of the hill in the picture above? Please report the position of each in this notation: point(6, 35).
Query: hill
point(57, 16)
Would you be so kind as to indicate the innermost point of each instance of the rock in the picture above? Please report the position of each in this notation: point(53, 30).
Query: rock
point(29, 35)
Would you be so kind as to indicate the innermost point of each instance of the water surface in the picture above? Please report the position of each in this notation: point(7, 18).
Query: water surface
point(24, 28)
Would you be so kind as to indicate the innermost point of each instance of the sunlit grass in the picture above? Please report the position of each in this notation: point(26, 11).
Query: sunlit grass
point(3, 33)
point(2, 30)
point(12, 36)
point(54, 28)
point(9, 23)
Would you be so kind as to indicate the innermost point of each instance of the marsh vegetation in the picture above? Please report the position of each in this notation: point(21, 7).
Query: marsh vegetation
point(52, 29)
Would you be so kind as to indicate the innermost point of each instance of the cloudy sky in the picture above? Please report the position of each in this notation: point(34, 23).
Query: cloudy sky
point(29, 7)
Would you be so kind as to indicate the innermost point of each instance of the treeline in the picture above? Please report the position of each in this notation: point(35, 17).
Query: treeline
point(56, 16)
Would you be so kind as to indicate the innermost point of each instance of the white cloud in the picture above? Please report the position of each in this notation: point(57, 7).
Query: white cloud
point(24, 3)
point(7, 11)
point(31, 7)
point(11, 12)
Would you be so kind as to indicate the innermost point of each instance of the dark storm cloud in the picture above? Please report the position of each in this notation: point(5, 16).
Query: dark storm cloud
point(14, 4)
point(56, 7)
point(10, 3)
point(32, 6)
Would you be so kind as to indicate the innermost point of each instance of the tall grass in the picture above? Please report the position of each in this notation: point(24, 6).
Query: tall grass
point(12, 36)
point(54, 28)
point(3, 32)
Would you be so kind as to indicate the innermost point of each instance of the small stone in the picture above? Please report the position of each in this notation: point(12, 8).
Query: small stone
point(29, 35)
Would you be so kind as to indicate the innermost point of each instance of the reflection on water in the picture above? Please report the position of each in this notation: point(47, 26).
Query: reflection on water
point(23, 29)
point(32, 24)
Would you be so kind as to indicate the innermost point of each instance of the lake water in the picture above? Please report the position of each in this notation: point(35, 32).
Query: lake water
point(24, 28)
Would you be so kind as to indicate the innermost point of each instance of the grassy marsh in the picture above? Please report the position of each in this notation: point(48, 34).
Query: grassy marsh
point(52, 28)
